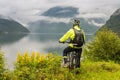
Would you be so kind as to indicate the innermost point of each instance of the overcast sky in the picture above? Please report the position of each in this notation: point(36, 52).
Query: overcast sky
point(25, 11)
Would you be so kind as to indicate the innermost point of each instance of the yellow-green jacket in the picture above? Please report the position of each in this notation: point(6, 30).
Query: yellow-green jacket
point(70, 34)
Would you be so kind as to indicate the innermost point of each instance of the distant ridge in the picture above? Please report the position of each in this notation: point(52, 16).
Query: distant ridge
point(10, 25)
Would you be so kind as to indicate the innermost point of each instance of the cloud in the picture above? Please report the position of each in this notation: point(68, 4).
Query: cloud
point(92, 15)
point(96, 24)
point(25, 11)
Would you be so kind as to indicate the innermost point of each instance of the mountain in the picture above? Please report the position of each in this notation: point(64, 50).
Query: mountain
point(89, 25)
point(9, 25)
point(114, 22)
point(44, 26)
point(61, 12)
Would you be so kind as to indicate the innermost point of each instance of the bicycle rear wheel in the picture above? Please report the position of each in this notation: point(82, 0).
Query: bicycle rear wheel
point(72, 60)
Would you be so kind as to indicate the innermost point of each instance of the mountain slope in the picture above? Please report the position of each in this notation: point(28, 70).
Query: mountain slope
point(7, 25)
point(114, 22)
point(44, 26)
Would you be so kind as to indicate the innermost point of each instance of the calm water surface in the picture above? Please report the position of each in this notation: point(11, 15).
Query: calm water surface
point(13, 43)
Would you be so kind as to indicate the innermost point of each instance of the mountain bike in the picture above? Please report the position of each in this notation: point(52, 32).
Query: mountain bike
point(72, 59)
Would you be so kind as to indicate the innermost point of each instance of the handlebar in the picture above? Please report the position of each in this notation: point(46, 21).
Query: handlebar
point(67, 42)
point(64, 42)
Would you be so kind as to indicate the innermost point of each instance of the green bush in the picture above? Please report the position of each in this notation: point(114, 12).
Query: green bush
point(36, 66)
point(1, 65)
point(5, 74)
point(104, 46)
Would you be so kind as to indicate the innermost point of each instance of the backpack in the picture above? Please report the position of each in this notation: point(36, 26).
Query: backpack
point(78, 39)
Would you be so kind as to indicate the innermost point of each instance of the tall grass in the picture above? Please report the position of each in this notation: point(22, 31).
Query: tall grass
point(36, 66)
point(47, 67)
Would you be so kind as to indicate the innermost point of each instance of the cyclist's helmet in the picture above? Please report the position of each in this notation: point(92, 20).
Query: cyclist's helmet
point(76, 22)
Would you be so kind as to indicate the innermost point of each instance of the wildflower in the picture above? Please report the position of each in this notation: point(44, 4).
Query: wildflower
point(50, 56)
point(26, 54)
point(37, 55)
point(42, 57)
point(47, 57)
point(18, 57)
point(26, 57)
point(39, 60)
point(33, 55)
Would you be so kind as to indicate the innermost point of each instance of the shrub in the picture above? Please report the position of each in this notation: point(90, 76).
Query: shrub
point(1, 65)
point(36, 66)
point(4, 73)
point(105, 46)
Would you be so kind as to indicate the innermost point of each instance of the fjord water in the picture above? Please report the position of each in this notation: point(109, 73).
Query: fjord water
point(12, 43)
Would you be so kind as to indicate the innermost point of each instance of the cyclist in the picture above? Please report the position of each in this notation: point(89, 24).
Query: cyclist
point(70, 34)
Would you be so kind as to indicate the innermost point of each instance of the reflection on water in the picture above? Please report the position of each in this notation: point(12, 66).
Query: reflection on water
point(44, 37)
point(42, 42)
point(10, 38)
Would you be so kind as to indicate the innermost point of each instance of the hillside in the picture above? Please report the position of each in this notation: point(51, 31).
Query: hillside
point(43, 26)
point(9, 25)
point(114, 22)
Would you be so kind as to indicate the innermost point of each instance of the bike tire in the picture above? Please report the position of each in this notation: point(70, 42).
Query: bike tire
point(72, 60)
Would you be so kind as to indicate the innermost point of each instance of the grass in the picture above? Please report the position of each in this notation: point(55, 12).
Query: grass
point(47, 67)
point(100, 71)
point(50, 69)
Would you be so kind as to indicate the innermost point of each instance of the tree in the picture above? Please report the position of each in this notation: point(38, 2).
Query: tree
point(104, 46)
